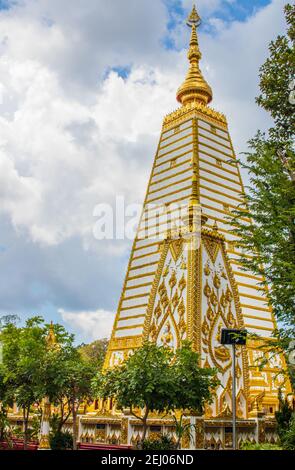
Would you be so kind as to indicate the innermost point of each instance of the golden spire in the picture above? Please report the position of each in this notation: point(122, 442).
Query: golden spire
point(51, 338)
point(195, 88)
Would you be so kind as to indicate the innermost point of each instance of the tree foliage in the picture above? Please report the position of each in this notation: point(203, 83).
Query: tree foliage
point(95, 352)
point(283, 416)
point(32, 369)
point(156, 379)
point(288, 439)
point(23, 357)
point(276, 75)
point(270, 200)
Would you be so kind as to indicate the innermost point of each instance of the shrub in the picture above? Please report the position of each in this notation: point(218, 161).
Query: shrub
point(163, 443)
point(283, 416)
point(61, 441)
point(251, 446)
point(288, 439)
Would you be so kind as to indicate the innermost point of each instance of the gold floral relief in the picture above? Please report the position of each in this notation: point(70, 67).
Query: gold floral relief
point(166, 323)
point(220, 296)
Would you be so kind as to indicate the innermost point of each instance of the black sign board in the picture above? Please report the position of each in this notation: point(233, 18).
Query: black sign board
point(237, 337)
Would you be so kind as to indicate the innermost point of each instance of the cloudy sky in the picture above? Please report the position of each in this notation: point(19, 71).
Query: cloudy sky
point(84, 86)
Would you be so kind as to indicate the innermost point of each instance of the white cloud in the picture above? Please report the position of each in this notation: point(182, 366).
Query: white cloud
point(74, 134)
point(91, 325)
point(64, 154)
point(67, 156)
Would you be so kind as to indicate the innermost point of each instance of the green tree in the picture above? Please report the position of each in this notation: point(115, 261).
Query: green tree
point(270, 201)
point(95, 352)
point(5, 403)
point(142, 383)
point(156, 379)
point(58, 358)
point(24, 352)
point(33, 368)
point(194, 384)
point(67, 380)
point(7, 319)
point(76, 388)
point(276, 75)
point(288, 439)
point(283, 416)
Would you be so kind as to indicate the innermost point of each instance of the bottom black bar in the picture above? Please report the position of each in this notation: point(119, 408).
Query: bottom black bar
point(137, 460)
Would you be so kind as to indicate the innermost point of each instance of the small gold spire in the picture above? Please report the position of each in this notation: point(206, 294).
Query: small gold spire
point(51, 338)
point(195, 88)
point(194, 18)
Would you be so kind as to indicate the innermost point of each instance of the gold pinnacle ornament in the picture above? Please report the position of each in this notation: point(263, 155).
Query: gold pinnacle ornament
point(194, 18)
point(195, 88)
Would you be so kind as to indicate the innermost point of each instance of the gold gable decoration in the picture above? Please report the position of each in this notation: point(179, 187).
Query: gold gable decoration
point(176, 247)
point(166, 321)
point(212, 247)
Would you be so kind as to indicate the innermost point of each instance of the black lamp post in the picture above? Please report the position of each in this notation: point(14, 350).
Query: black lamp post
point(234, 338)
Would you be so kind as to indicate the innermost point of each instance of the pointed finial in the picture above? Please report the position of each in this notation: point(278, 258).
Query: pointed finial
point(194, 18)
point(215, 227)
point(195, 88)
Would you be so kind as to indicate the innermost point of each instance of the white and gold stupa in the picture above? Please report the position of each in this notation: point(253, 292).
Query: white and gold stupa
point(176, 289)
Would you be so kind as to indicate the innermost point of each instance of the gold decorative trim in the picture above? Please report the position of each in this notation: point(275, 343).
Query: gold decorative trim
point(253, 307)
point(251, 286)
point(220, 168)
point(263, 328)
point(222, 186)
point(128, 342)
point(138, 286)
point(175, 133)
point(131, 317)
point(215, 191)
point(172, 143)
point(170, 184)
point(213, 134)
point(140, 266)
point(262, 298)
point(164, 155)
point(229, 156)
point(173, 175)
point(236, 182)
point(141, 276)
point(132, 307)
point(145, 255)
point(130, 327)
point(143, 247)
point(168, 161)
point(192, 110)
point(151, 303)
point(231, 161)
point(215, 141)
point(162, 196)
point(250, 276)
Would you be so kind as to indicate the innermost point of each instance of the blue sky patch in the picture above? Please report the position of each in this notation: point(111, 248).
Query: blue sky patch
point(6, 4)
point(240, 10)
point(227, 11)
point(122, 71)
